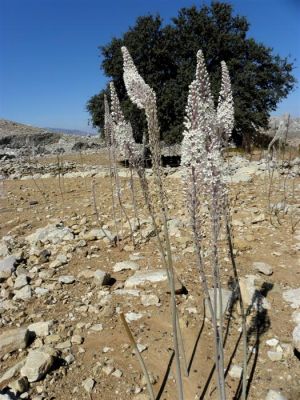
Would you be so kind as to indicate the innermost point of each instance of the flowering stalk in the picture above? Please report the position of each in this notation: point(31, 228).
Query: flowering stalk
point(144, 97)
point(225, 117)
point(108, 134)
point(202, 164)
point(125, 144)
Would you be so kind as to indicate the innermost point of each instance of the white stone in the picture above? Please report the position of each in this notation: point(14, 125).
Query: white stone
point(236, 372)
point(140, 278)
point(5, 397)
point(23, 294)
point(296, 317)
point(132, 316)
point(272, 342)
point(127, 292)
point(96, 328)
point(292, 296)
point(20, 281)
point(3, 249)
point(263, 268)
point(275, 395)
point(275, 355)
point(7, 267)
point(66, 279)
point(117, 373)
point(52, 233)
point(149, 300)
point(37, 364)
point(296, 337)
point(42, 328)
point(125, 265)
point(88, 384)
point(102, 278)
point(11, 372)
point(108, 369)
point(60, 260)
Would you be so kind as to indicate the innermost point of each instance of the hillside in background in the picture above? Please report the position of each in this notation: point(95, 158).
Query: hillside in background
point(76, 132)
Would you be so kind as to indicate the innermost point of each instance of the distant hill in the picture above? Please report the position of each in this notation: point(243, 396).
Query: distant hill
point(76, 132)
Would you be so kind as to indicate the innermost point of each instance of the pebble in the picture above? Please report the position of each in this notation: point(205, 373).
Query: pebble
point(88, 384)
point(263, 268)
point(66, 279)
point(236, 372)
point(125, 265)
point(275, 395)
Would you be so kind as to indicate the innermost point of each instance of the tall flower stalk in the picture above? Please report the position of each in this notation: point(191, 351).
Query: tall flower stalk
point(109, 141)
point(201, 161)
point(144, 97)
point(225, 118)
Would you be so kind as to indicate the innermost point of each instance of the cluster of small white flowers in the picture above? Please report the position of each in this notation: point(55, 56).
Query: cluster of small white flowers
point(108, 123)
point(199, 122)
point(139, 92)
point(144, 97)
point(122, 130)
point(116, 111)
point(225, 109)
point(202, 139)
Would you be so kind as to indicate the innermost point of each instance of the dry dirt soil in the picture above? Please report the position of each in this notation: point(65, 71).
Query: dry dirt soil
point(257, 238)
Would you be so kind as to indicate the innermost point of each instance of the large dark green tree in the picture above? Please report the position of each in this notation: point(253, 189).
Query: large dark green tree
point(165, 55)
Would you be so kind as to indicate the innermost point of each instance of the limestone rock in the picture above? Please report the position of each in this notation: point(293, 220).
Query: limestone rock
point(88, 384)
point(13, 340)
point(125, 265)
point(263, 268)
point(12, 372)
point(41, 329)
point(102, 278)
point(66, 279)
point(275, 395)
point(292, 296)
point(236, 372)
point(132, 316)
point(21, 281)
point(37, 364)
point(296, 337)
point(53, 233)
point(144, 278)
point(23, 294)
point(149, 300)
point(7, 267)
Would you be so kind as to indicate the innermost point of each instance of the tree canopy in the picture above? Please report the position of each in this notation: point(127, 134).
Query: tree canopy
point(165, 55)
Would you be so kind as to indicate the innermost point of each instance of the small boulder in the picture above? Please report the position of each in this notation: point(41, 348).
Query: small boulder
point(101, 278)
point(23, 294)
point(292, 296)
point(13, 340)
point(21, 281)
point(7, 267)
point(41, 329)
point(37, 364)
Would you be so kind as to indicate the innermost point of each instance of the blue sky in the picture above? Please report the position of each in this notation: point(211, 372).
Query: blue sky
point(49, 61)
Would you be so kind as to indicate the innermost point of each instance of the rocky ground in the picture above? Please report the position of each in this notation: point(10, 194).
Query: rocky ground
point(63, 284)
